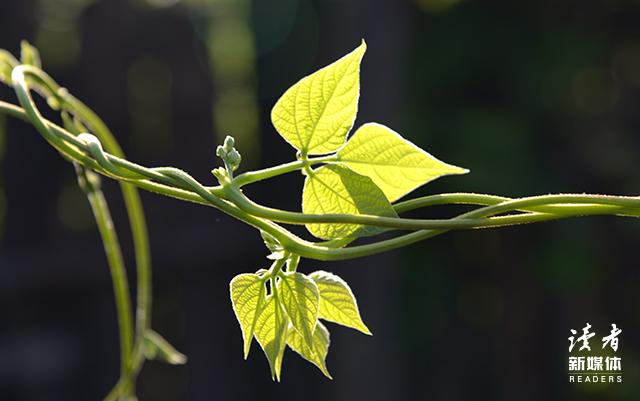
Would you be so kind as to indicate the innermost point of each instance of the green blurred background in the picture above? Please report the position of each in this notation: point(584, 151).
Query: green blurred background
point(534, 97)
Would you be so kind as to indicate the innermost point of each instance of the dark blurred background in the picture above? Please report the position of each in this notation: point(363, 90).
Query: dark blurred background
point(534, 97)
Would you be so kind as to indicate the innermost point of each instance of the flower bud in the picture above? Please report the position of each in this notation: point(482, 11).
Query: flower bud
point(233, 159)
point(229, 143)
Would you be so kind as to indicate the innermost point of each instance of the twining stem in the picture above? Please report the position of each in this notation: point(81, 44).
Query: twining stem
point(630, 205)
point(137, 223)
point(514, 204)
point(178, 184)
point(134, 357)
point(89, 183)
point(596, 205)
point(130, 194)
point(460, 198)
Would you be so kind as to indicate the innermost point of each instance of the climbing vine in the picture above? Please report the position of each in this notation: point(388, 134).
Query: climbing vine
point(353, 185)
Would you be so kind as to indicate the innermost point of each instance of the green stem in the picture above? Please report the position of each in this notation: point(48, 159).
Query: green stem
point(211, 196)
point(292, 263)
point(137, 224)
point(89, 184)
point(482, 199)
point(593, 202)
point(515, 204)
point(260, 175)
point(275, 268)
point(59, 139)
point(300, 218)
point(132, 202)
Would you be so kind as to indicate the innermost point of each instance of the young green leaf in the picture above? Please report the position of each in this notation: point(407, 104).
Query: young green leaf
point(7, 63)
point(301, 301)
point(29, 54)
point(271, 333)
point(315, 354)
point(336, 189)
point(5, 72)
point(337, 302)
point(396, 165)
point(248, 294)
point(316, 113)
point(156, 347)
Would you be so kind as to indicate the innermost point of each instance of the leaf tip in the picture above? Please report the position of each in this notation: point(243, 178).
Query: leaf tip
point(458, 170)
point(156, 347)
point(450, 169)
point(177, 359)
point(277, 377)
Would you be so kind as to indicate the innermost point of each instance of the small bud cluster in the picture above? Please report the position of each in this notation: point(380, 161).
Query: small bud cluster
point(229, 154)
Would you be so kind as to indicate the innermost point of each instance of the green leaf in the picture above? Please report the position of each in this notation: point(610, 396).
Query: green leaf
point(271, 333)
point(316, 113)
point(248, 295)
point(396, 165)
point(156, 347)
point(315, 354)
point(336, 189)
point(5, 72)
point(29, 55)
point(7, 63)
point(337, 302)
point(301, 301)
